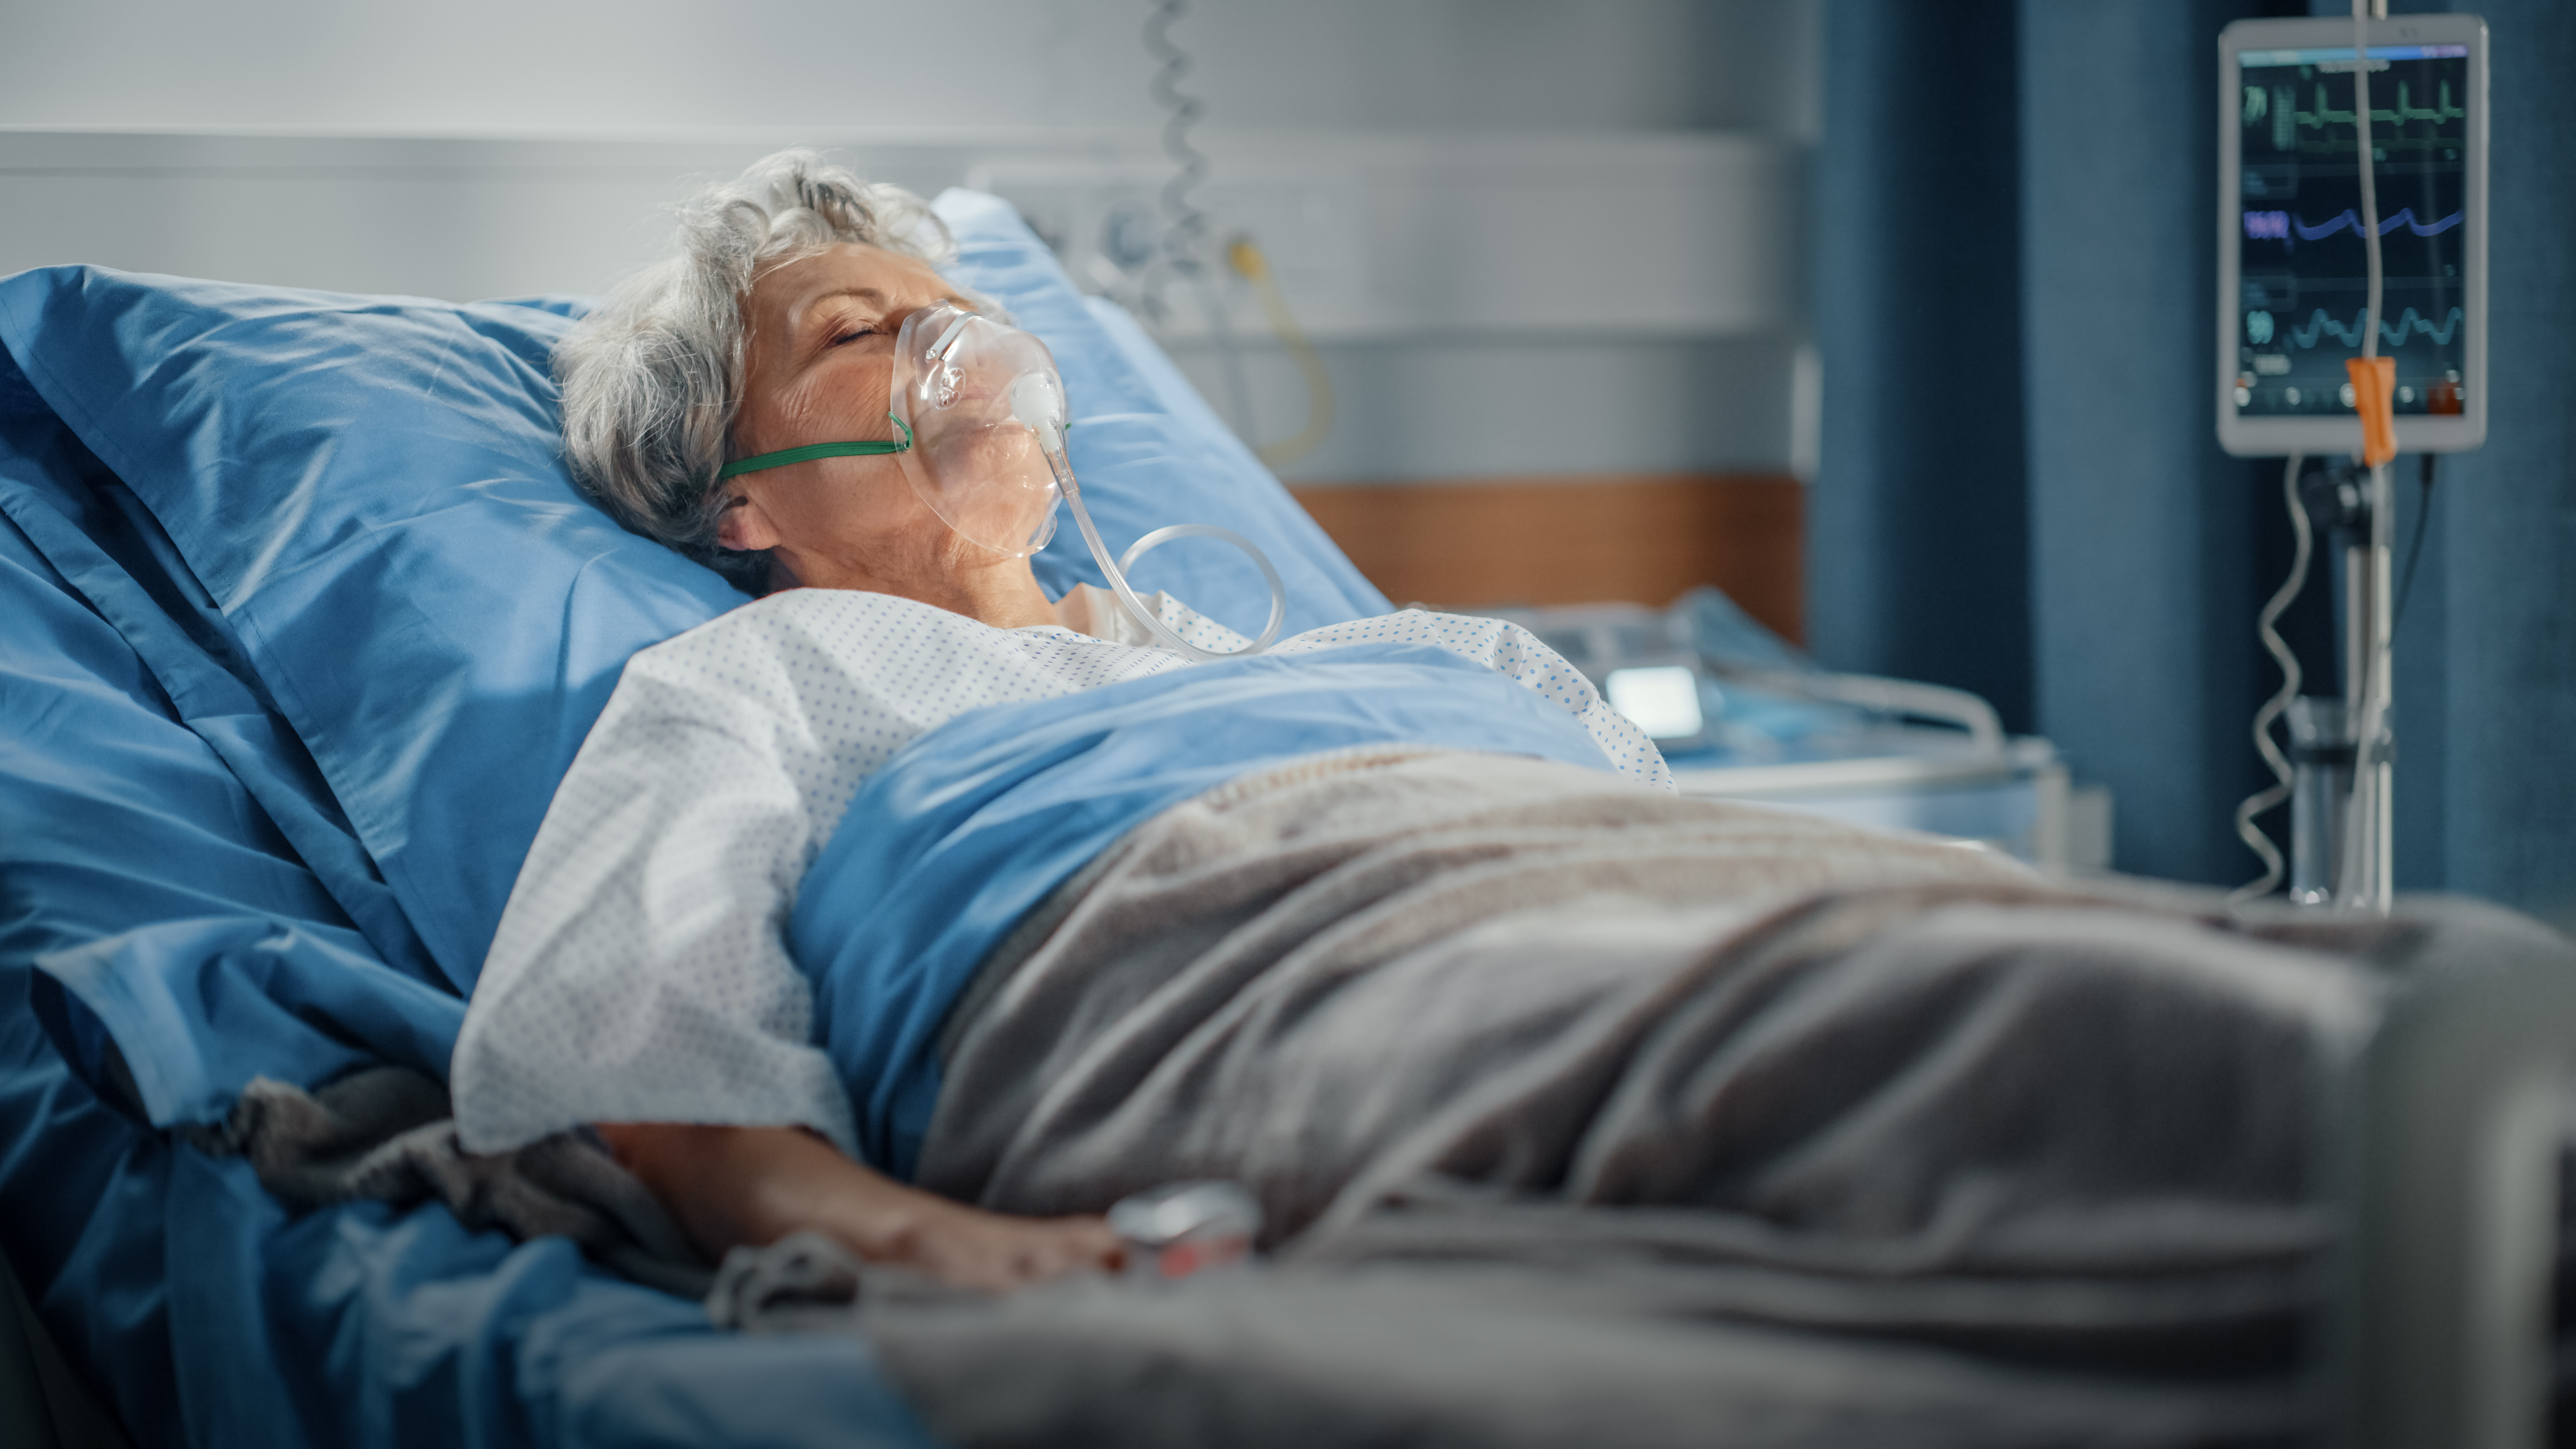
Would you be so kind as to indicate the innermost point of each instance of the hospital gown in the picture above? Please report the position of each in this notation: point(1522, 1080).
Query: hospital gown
point(640, 972)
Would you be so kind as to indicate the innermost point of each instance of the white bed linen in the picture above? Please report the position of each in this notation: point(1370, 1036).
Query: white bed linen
point(640, 972)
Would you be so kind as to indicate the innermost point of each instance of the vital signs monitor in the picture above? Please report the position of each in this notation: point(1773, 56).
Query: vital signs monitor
point(2292, 276)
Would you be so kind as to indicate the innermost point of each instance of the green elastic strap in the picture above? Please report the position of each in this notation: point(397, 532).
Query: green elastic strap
point(811, 451)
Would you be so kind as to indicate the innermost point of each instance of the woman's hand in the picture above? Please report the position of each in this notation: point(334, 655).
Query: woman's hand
point(731, 1186)
point(972, 1248)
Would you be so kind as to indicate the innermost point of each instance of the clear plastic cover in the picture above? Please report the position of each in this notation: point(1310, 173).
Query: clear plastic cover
point(979, 466)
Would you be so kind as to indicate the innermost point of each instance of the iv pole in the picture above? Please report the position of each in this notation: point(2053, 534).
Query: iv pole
point(2364, 879)
point(2363, 875)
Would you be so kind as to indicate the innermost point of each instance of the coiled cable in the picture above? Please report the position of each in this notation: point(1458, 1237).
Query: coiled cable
point(1185, 225)
point(2267, 628)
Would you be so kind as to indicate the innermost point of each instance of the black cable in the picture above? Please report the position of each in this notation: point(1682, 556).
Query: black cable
point(2414, 546)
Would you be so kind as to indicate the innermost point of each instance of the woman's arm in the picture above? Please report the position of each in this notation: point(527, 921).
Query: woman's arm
point(731, 1186)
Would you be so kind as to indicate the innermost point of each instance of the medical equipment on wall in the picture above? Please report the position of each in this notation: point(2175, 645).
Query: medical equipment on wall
point(2323, 125)
point(1136, 232)
point(980, 413)
point(1182, 251)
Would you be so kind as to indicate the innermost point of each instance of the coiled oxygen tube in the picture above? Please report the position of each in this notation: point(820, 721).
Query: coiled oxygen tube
point(1038, 406)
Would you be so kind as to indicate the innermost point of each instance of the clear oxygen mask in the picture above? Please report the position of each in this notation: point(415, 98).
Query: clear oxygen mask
point(981, 418)
point(985, 412)
point(957, 393)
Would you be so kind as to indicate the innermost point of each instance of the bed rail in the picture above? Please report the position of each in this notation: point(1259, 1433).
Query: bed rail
point(2440, 1338)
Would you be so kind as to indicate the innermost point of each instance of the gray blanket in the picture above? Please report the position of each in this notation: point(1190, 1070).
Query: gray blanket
point(1586, 1115)
point(1581, 1115)
point(386, 1133)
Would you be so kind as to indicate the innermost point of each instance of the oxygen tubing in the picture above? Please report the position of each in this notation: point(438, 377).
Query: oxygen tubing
point(1051, 444)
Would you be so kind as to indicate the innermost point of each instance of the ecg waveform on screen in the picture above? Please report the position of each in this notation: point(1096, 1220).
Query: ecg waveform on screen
point(2326, 115)
point(2387, 224)
point(2277, 225)
point(2405, 325)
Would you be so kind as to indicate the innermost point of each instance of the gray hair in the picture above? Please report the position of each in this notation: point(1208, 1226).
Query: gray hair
point(652, 377)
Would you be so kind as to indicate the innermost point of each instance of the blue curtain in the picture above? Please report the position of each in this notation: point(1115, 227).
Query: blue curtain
point(2022, 192)
point(1916, 522)
point(2493, 664)
point(2144, 566)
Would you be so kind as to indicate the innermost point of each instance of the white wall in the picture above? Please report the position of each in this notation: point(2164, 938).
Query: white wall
point(1584, 347)
point(558, 65)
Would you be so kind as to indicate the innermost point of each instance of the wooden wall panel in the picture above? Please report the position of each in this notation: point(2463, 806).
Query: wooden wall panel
point(1484, 542)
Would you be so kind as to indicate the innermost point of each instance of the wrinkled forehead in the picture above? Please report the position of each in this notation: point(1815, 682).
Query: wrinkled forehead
point(848, 271)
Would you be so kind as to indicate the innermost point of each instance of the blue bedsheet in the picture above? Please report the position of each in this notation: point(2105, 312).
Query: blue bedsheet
point(140, 829)
point(961, 834)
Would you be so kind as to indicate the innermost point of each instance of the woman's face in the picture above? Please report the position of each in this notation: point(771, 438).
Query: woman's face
point(817, 359)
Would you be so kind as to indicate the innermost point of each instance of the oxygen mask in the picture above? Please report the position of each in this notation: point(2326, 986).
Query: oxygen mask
point(973, 394)
point(981, 417)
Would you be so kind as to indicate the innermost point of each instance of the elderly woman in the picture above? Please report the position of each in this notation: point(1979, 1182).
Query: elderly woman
point(1325, 980)
point(774, 329)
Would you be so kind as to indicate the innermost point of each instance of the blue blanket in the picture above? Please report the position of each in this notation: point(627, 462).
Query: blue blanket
point(948, 846)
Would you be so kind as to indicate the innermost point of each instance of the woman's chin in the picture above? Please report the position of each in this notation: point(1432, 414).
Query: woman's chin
point(993, 483)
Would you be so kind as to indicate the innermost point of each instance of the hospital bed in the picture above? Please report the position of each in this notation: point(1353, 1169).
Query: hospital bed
point(1743, 715)
point(230, 853)
point(2014, 796)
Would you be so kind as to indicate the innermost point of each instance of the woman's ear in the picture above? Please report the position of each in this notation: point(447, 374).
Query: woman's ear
point(744, 527)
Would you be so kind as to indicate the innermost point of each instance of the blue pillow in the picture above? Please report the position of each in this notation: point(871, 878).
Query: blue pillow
point(370, 491)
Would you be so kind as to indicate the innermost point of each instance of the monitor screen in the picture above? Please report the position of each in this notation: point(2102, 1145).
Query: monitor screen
point(2301, 283)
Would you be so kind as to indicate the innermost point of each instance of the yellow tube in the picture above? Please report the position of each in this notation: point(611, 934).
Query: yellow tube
point(1248, 262)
